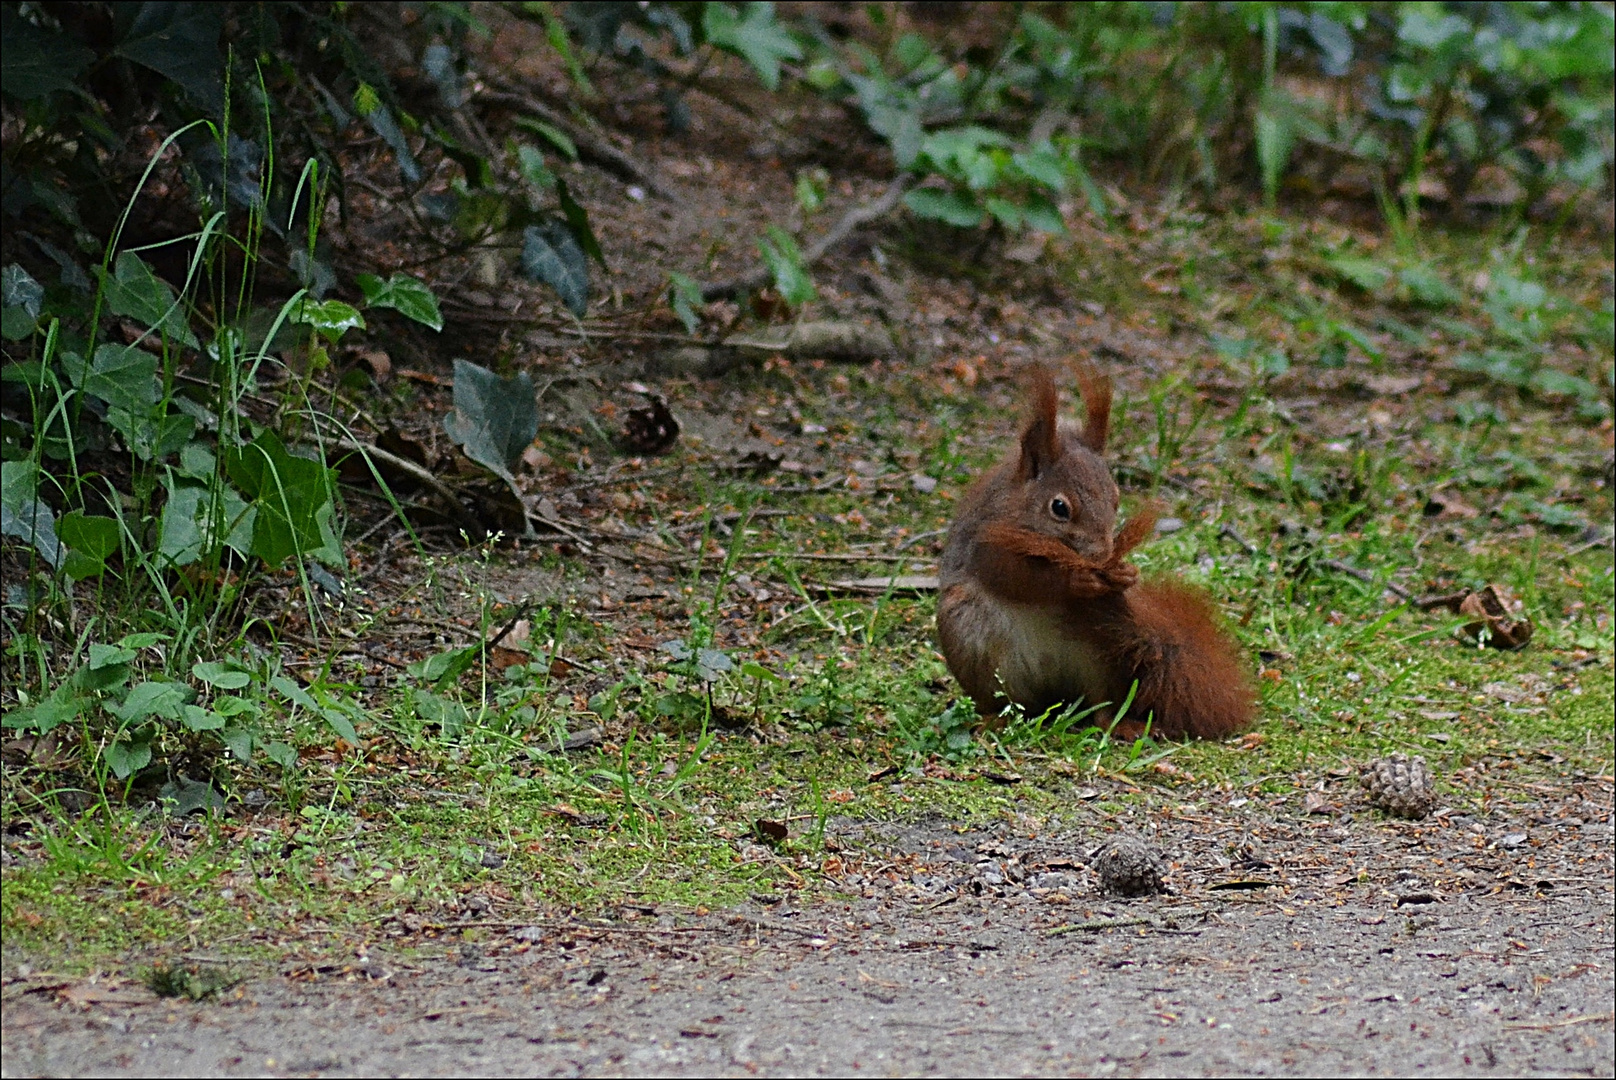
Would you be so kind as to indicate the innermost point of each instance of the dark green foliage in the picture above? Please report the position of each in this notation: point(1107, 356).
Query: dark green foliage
point(551, 254)
point(494, 419)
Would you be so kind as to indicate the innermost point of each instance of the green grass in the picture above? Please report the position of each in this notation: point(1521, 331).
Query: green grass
point(664, 810)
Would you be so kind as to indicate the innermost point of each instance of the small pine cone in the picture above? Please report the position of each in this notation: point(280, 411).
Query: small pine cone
point(1128, 868)
point(1399, 785)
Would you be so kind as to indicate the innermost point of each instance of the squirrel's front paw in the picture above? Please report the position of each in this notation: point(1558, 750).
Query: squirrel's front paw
point(1120, 577)
point(1095, 581)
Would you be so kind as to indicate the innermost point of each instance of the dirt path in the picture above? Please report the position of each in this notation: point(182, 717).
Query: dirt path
point(1461, 945)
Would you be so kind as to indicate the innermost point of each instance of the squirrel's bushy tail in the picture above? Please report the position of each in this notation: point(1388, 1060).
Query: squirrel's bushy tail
point(1190, 677)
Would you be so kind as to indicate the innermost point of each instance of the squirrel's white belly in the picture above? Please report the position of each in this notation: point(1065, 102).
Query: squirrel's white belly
point(1037, 658)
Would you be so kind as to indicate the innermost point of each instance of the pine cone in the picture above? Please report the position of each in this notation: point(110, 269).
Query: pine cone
point(1399, 785)
point(1128, 868)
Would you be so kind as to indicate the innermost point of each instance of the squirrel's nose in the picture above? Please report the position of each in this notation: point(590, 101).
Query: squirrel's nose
point(1095, 548)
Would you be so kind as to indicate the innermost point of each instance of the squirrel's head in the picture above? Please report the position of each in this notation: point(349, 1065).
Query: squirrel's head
point(1062, 487)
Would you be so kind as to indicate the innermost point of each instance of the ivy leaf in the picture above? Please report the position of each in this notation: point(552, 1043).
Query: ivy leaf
point(710, 663)
point(135, 292)
point(239, 741)
point(1004, 211)
point(754, 36)
point(450, 716)
point(162, 699)
point(125, 758)
point(753, 670)
point(25, 516)
point(445, 668)
point(900, 126)
point(280, 753)
point(186, 796)
point(330, 318)
point(405, 295)
point(494, 419)
point(550, 253)
point(91, 540)
point(1042, 214)
point(1042, 166)
point(16, 324)
point(197, 718)
point(288, 493)
point(61, 707)
point(221, 674)
point(109, 656)
point(126, 380)
point(37, 61)
point(121, 375)
point(19, 289)
point(180, 42)
point(193, 524)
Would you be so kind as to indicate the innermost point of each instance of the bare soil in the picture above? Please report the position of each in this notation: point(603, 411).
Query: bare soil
point(1331, 942)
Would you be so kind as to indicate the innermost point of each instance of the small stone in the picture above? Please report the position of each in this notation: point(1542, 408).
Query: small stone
point(1400, 785)
point(1127, 867)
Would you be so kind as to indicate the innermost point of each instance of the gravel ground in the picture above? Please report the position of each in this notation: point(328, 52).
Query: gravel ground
point(1292, 944)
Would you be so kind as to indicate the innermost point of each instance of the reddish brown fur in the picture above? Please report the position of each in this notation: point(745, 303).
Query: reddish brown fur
point(1035, 568)
point(1134, 533)
point(1110, 632)
point(1096, 391)
point(1040, 439)
point(1191, 681)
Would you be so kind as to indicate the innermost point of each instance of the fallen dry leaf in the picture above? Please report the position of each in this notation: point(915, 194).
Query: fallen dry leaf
point(500, 658)
point(381, 365)
point(1500, 625)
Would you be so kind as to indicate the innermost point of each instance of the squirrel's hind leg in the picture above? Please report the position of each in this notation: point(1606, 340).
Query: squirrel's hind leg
point(967, 631)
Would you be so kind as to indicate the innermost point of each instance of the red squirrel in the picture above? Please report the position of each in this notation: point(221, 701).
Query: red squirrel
point(1038, 606)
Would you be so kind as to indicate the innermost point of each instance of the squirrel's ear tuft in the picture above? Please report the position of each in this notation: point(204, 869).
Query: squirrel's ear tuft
point(1040, 442)
point(1096, 389)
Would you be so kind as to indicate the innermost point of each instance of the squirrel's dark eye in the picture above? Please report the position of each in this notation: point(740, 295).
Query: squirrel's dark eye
point(1059, 508)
